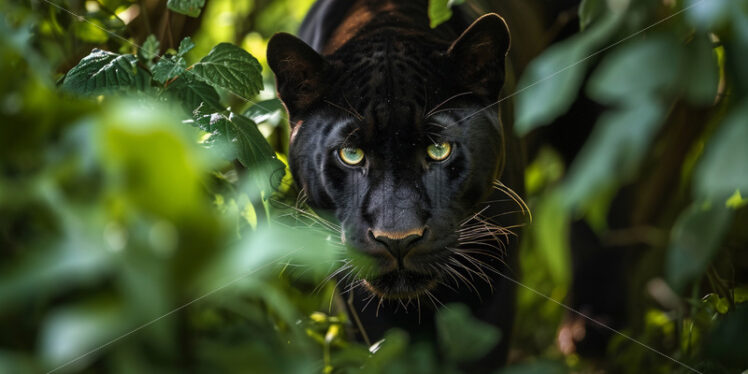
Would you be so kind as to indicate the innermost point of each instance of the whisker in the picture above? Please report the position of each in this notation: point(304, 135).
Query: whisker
point(352, 113)
point(434, 109)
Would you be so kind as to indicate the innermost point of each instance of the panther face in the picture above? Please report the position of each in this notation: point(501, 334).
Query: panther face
point(389, 135)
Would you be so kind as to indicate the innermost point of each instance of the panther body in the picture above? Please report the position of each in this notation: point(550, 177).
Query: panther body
point(395, 135)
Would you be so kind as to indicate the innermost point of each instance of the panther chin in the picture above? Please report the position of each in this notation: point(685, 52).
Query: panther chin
point(400, 284)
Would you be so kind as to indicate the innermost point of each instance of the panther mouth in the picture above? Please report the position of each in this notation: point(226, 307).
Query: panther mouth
point(399, 284)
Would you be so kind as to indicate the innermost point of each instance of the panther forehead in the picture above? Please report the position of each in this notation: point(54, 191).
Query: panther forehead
point(385, 71)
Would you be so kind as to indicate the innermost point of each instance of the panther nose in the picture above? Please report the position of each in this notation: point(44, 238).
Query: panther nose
point(398, 244)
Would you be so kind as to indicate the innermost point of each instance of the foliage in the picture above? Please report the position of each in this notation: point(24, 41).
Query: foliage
point(144, 198)
point(670, 95)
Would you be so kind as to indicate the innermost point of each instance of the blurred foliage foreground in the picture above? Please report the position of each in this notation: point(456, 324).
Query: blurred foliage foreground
point(144, 224)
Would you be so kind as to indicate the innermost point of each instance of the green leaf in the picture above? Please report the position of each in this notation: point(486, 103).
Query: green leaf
point(462, 336)
point(736, 201)
point(73, 331)
point(589, 10)
point(103, 71)
point(647, 66)
point(167, 68)
point(271, 245)
point(708, 14)
point(144, 177)
point(90, 33)
point(185, 46)
point(724, 167)
point(192, 93)
point(440, 11)
point(265, 110)
point(236, 137)
point(551, 82)
point(149, 50)
point(695, 239)
point(700, 80)
point(613, 153)
point(232, 68)
point(550, 232)
point(190, 8)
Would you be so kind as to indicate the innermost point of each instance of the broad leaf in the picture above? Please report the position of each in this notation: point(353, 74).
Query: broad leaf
point(621, 76)
point(190, 8)
point(462, 336)
point(724, 167)
point(236, 137)
point(103, 71)
point(192, 93)
point(167, 68)
point(551, 83)
point(265, 111)
point(695, 239)
point(613, 152)
point(232, 68)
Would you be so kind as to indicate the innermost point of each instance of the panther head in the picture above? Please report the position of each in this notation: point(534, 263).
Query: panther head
point(389, 135)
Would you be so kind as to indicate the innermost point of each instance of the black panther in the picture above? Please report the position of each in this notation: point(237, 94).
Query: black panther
point(396, 135)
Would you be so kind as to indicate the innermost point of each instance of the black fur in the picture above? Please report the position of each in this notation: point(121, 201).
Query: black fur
point(392, 87)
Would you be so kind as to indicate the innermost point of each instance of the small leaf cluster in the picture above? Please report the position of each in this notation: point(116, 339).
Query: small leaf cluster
point(227, 68)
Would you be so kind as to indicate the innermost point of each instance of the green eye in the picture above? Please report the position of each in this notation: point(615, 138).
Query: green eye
point(439, 152)
point(351, 156)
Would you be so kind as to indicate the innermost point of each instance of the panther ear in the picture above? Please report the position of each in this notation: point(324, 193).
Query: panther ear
point(479, 55)
point(299, 72)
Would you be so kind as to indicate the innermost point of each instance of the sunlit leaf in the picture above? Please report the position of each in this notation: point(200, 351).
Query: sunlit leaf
point(440, 11)
point(550, 232)
point(103, 71)
point(231, 68)
point(131, 138)
point(694, 241)
point(736, 201)
point(91, 31)
point(462, 336)
point(190, 8)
